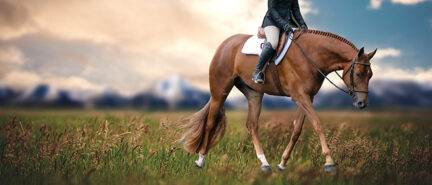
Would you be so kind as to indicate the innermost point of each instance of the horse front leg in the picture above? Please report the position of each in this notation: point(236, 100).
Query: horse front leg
point(305, 104)
point(298, 125)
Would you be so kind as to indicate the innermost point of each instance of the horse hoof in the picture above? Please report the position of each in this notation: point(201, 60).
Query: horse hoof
point(265, 168)
point(280, 168)
point(198, 165)
point(330, 168)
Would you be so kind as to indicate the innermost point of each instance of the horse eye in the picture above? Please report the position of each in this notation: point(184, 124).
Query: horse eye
point(357, 74)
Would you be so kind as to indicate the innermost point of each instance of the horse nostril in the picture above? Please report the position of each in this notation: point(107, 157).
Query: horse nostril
point(360, 103)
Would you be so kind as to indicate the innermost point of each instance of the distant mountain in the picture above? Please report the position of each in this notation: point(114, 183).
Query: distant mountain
point(40, 96)
point(400, 94)
point(148, 100)
point(8, 95)
point(269, 102)
point(176, 93)
point(65, 99)
point(382, 93)
point(109, 99)
point(277, 102)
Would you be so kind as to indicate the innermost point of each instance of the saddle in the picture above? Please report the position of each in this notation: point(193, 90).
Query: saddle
point(283, 38)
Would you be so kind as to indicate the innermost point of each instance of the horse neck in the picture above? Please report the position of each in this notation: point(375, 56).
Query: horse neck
point(332, 56)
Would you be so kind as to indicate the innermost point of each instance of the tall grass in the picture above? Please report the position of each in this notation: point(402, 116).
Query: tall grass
point(77, 147)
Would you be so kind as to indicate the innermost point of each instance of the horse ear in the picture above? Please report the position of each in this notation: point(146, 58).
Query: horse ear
point(370, 55)
point(361, 52)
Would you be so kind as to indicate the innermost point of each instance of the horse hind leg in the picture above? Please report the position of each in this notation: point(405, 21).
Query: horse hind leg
point(298, 125)
point(207, 127)
point(254, 99)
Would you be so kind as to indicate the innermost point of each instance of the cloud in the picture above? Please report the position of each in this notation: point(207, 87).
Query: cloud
point(10, 58)
point(100, 64)
point(15, 20)
point(387, 52)
point(142, 24)
point(307, 8)
point(420, 75)
point(25, 79)
point(11, 55)
point(376, 4)
point(408, 2)
point(108, 66)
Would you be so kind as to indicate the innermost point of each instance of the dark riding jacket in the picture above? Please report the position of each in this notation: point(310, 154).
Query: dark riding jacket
point(279, 14)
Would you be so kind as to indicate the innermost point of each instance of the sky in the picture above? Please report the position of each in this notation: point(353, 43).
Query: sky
point(126, 46)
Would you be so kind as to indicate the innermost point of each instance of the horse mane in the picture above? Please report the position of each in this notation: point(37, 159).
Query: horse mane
point(332, 35)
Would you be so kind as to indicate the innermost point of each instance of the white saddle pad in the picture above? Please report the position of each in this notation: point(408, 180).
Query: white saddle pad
point(253, 47)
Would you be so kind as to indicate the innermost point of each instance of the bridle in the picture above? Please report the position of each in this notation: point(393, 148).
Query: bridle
point(351, 89)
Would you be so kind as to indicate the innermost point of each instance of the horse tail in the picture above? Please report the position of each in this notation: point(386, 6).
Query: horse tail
point(195, 127)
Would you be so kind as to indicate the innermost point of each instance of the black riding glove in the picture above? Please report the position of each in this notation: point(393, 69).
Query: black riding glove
point(287, 28)
point(304, 27)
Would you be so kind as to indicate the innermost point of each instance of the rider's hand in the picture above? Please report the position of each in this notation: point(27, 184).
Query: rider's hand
point(304, 27)
point(287, 28)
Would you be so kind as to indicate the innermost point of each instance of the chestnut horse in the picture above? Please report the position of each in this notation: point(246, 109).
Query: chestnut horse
point(302, 72)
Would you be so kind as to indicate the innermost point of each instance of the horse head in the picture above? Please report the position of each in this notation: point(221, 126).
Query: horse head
point(356, 77)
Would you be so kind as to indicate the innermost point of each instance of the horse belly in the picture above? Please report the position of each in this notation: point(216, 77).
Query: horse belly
point(245, 67)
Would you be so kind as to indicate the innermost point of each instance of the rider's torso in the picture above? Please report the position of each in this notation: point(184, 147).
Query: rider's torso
point(283, 7)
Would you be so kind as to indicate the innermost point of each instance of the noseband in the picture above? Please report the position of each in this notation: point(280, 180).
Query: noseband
point(351, 89)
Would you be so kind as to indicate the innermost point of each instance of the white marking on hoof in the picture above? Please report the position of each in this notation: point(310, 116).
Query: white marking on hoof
point(200, 162)
point(263, 159)
point(281, 168)
point(294, 122)
point(198, 165)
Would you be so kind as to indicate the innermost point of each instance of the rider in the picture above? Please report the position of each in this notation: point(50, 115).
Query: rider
point(280, 15)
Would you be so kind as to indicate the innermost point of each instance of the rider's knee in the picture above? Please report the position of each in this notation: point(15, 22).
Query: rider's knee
point(273, 44)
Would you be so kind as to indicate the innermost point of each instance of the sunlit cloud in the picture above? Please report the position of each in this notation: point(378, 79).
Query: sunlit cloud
point(11, 55)
point(417, 74)
point(376, 4)
point(10, 59)
point(408, 2)
point(15, 20)
point(387, 52)
point(25, 79)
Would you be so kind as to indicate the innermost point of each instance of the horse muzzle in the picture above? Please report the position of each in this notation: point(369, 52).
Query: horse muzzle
point(360, 103)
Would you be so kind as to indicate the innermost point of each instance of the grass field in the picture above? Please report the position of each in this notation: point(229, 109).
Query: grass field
point(130, 147)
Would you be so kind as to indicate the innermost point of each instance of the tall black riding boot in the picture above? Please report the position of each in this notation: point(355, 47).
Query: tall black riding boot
point(267, 52)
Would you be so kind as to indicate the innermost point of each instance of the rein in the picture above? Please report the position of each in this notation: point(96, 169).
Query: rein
point(351, 90)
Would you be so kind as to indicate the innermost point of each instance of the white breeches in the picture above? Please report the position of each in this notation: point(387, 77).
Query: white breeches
point(272, 35)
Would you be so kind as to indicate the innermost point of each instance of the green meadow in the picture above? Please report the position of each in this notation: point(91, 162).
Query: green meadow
point(134, 147)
